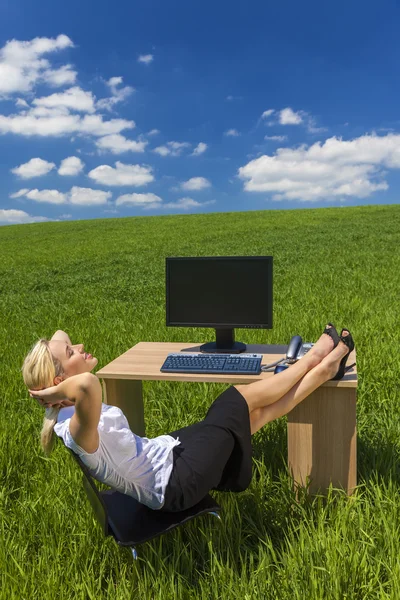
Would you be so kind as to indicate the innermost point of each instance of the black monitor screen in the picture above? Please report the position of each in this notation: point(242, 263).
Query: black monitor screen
point(230, 291)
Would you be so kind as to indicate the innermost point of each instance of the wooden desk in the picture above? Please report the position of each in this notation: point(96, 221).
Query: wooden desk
point(321, 429)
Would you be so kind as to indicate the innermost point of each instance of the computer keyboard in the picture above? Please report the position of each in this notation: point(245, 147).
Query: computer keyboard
point(193, 362)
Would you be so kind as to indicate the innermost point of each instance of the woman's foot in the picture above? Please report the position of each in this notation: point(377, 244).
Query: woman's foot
point(335, 361)
point(330, 330)
point(323, 346)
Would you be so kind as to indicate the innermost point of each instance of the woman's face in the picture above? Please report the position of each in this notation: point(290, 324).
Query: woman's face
point(74, 359)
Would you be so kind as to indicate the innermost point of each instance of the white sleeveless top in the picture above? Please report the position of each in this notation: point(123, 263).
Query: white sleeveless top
point(133, 465)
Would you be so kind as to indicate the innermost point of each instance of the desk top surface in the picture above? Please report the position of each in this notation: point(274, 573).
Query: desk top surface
point(144, 361)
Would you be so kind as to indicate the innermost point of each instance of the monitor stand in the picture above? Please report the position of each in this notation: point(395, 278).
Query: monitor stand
point(225, 343)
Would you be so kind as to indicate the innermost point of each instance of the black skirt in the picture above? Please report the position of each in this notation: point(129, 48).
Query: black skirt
point(213, 454)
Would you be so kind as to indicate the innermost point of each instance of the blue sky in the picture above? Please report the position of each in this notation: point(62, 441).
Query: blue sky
point(123, 109)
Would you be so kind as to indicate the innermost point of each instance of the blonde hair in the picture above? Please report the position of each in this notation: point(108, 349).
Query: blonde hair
point(38, 371)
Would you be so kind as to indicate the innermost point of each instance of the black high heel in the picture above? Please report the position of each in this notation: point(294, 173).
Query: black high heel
point(331, 331)
point(348, 340)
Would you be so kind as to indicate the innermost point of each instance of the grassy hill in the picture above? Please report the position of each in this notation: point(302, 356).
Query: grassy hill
point(103, 281)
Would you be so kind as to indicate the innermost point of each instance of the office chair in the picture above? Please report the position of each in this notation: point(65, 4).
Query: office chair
point(131, 523)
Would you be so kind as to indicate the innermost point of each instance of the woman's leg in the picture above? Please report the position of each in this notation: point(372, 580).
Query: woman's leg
point(267, 391)
point(311, 381)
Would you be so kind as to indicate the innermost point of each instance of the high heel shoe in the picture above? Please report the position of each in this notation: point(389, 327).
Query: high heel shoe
point(331, 331)
point(348, 340)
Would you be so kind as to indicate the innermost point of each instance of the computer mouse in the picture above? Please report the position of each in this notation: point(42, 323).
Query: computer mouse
point(280, 368)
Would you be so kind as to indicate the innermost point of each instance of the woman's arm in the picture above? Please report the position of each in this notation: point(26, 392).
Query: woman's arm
point(84, 390)
point(84, 422)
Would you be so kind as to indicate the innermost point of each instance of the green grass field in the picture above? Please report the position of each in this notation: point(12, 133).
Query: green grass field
point(103, 282)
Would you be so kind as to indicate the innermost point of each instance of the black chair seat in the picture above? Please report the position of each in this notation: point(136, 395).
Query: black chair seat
point(131, 522)
point(134, 523)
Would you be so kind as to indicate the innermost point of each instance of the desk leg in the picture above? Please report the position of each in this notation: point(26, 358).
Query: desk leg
point(322, 440)
point(127, 394)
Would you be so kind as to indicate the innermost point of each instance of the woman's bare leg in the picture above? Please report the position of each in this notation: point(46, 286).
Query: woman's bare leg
point(309, 383)
point(267, 391)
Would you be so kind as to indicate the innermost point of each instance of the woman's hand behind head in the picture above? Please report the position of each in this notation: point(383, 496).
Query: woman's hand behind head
point(51, 396)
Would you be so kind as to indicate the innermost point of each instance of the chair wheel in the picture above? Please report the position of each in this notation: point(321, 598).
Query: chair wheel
point(215, 515)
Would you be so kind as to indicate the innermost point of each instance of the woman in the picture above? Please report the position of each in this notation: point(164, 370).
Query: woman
point(175, 471)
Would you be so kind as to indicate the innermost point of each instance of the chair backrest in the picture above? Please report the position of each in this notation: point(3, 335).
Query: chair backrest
point(93, 494)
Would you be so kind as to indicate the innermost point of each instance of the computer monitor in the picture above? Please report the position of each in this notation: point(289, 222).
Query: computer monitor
point(223, 292)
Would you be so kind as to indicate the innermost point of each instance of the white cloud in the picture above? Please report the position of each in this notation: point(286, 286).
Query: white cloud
point(73, 99)
point(58, 124)
point(154, 132)
point(312, 126)
point(146, 58)
point(200, 148)
point(152, 201)
point(276, 138)
point(122, 174)
point(177, 147)
point(114, 82)
point(267, 113)
point(162, 150)
point(20, 193)
point(139, 200)
point(27, 124)
point(195, 184)
point(232, 133)
point(94, 125)
point(49, 196)
point(71, 166)
point(35, 167)
point(77, 196)
point(117, 144)
point(171, 148)
point(118, 94)
point(287, 116)
point(88, 197)
point(22, 65)
point(59, 77)
point(333, 169)
point(47, 112)
point(187, 203)
point(122, 93)
point(21, 103)
point(14, 217)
